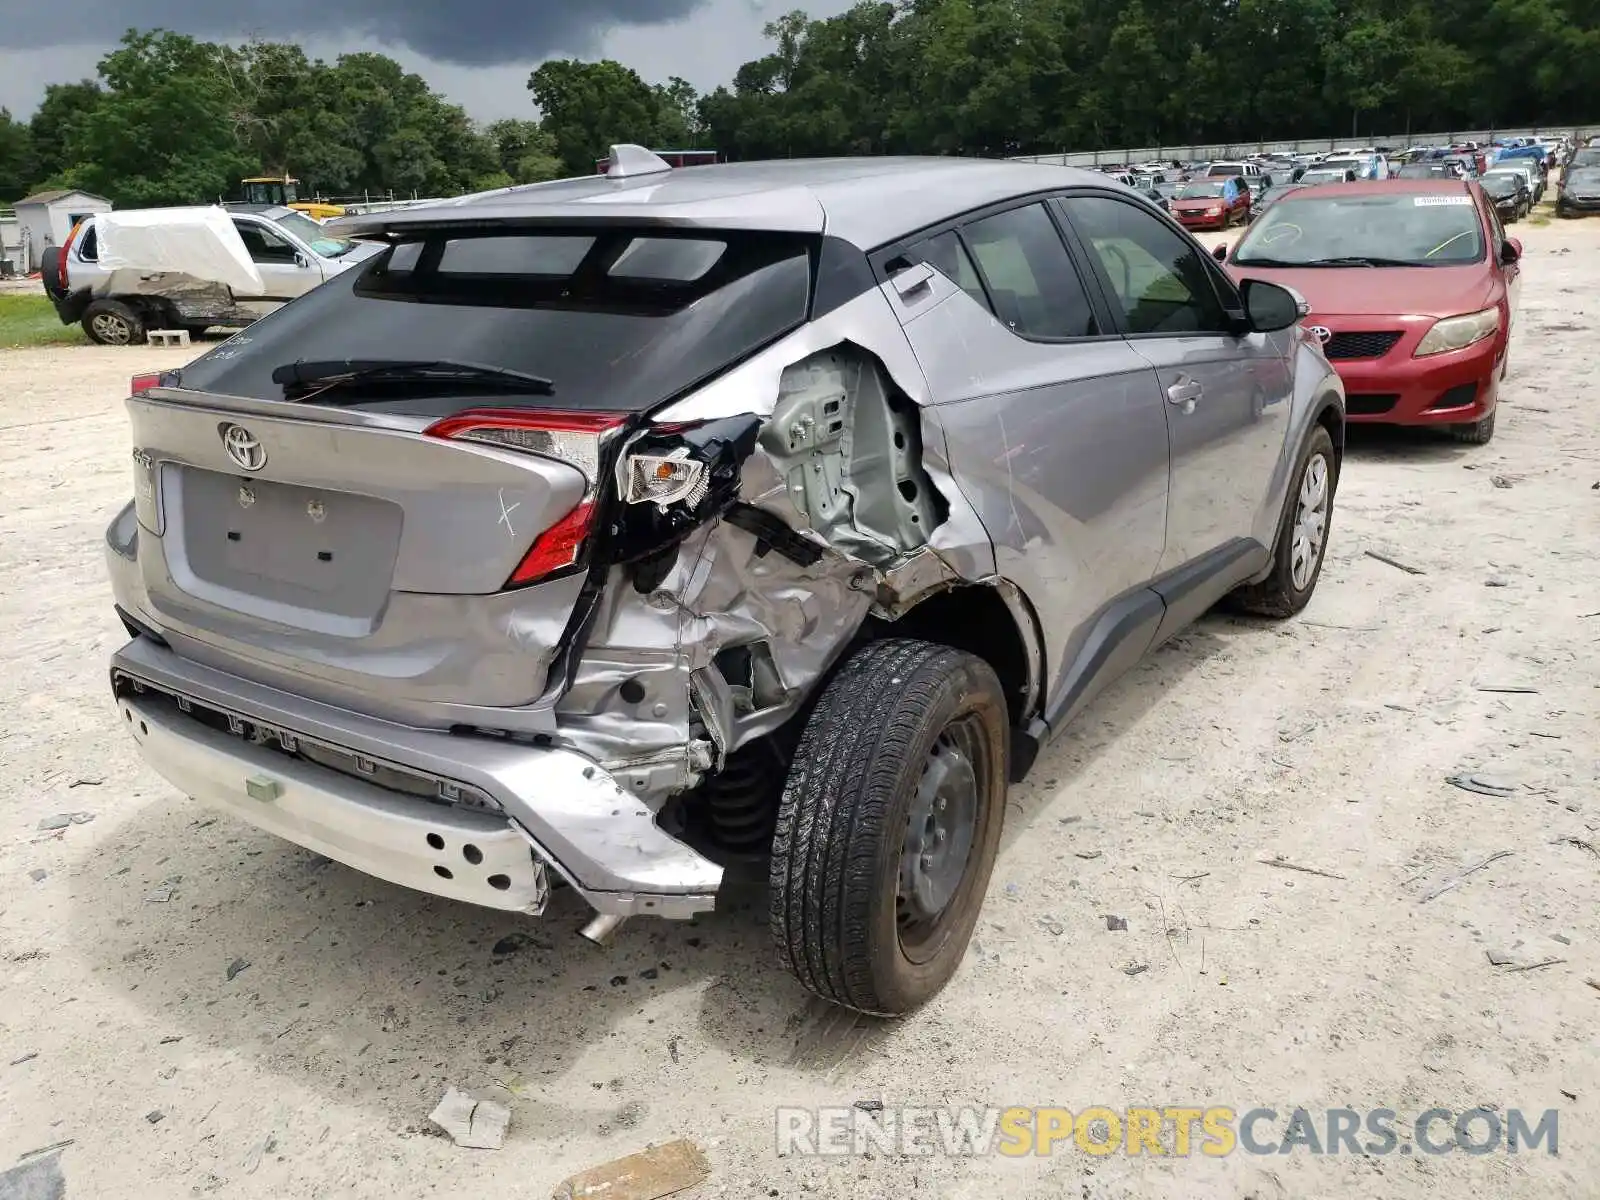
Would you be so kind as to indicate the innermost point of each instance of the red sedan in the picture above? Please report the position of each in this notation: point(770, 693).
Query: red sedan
point(1413, 288)
point(1212, 203)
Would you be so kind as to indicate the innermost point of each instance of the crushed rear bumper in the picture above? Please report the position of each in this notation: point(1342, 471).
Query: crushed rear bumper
point(522, 809)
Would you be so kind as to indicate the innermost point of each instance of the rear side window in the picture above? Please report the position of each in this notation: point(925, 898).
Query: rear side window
point(667, 260)
point(550, 256)
point(1030, 276)
point(620, 319)
point(945, 253)
point(89, 245)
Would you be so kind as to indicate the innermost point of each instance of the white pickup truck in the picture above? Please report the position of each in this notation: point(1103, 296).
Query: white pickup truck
point(122, 273)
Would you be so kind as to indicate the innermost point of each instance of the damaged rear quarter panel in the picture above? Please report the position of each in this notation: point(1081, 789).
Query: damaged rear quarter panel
point(648, 697)
point(867, 324)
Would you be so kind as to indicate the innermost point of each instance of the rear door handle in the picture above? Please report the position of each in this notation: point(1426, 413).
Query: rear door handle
point(1185, 394)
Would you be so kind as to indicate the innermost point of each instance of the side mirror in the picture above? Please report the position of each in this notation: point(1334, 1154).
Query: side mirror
point(1220, 252)
point(1269, 307)
point(300, 260)
point(1511, 252)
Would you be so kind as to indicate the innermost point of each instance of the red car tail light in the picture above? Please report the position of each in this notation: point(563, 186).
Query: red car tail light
point(557, 547)
point(143, 383)
point(578, 439)
point(61, 259)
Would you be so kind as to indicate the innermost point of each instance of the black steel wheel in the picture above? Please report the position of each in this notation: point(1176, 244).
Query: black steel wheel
point(889, 825)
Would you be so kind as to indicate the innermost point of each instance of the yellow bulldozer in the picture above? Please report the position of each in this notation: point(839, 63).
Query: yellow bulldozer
point(284, 192)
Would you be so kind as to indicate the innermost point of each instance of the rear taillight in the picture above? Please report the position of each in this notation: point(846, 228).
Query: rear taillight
point(143, 383)
point(578, 439)
point(62, 259)
point(556, 548)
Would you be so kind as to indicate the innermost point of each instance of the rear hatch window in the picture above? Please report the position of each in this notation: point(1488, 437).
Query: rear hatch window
point(620, 318)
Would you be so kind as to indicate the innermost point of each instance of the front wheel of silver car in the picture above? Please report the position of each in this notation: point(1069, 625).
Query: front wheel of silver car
point(889, 825)
point(1302, 534)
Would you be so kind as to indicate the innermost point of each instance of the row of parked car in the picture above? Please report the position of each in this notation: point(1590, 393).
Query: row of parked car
point(1515, 174)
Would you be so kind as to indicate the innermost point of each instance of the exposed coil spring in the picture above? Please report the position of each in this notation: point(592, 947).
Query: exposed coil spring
point(742, 800)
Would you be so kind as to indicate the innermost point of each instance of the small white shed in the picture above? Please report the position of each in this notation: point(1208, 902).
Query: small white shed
point(47, 217)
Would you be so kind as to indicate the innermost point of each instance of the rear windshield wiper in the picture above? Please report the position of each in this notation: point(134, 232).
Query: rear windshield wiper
point(316, 376)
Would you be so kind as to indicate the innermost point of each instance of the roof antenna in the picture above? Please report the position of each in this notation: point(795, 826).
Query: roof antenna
point(629, 160)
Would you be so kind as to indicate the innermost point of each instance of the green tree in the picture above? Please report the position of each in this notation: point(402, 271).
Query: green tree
point(588, 107)
point(413, 140)
point(55, 120)
point(286, 119)
point(677, 115)
point(525, 151)
point(18, 166)
point(175, 120)
point(166, 131)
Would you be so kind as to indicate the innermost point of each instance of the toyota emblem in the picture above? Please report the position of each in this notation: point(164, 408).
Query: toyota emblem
point(1321, 332)
point(243, 447)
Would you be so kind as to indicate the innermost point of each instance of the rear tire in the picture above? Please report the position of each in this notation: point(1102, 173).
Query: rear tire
point(1302, 542)
point(1478, 433)
point(889, 825)
point(113, 323)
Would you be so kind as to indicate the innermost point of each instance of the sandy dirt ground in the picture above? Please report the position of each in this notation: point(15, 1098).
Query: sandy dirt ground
point(1325, 741)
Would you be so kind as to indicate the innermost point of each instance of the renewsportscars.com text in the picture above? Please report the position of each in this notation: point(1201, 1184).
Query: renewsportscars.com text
point(1169, 1130)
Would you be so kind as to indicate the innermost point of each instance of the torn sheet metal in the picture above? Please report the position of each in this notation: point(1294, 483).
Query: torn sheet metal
point(197, 242)
point(849, 450)
point(844, 510)
point(196, 301)
point(630, 703)
point(870, 325)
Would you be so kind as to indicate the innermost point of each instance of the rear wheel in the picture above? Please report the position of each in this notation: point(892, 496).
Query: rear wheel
point(1477, 433)
point(1302, 535)
point(113, 323)
point(889, 825)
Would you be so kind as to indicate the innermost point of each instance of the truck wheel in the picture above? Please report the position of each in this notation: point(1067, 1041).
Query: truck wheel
point(112, 323)
point(1302, 535)
point(889, 825)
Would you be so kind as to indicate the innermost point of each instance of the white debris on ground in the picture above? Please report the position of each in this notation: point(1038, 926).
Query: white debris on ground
point(471, 1123)
point(1175, 804)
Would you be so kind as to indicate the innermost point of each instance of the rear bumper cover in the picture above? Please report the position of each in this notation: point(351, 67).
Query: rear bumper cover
point(568, 811)
point(70, 306)
point(473, 856)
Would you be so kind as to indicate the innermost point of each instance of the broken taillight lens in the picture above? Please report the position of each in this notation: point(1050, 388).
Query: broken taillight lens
point(578, 439)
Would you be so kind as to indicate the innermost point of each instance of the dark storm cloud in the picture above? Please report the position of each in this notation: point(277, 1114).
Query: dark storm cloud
point(473, 32)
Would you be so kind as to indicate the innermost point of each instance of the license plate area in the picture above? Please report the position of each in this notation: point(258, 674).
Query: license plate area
point(333, 552)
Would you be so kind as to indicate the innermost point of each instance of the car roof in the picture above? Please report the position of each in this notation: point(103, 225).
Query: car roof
point(271, 211)
point(867, 201)
point(1418, 187)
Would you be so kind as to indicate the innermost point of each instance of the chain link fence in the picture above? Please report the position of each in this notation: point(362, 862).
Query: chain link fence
point(1219, 150)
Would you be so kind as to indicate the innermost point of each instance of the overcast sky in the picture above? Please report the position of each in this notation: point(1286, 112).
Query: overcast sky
point(477, 52)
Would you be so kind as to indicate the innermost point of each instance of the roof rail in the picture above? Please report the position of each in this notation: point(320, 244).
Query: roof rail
point(628, 160)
